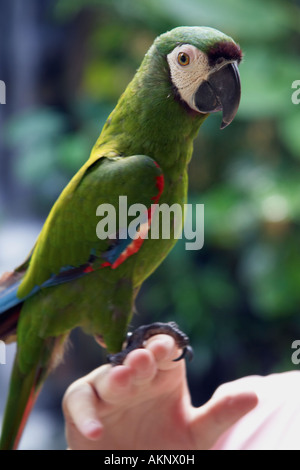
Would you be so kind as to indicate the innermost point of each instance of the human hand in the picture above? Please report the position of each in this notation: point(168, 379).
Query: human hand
point(145, 404)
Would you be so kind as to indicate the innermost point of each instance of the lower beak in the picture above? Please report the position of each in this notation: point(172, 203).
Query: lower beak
point(220, 92)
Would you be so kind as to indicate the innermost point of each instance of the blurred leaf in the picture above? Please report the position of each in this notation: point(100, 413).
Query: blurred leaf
point(73, 151)
point(244, 20)
point(262, 95)
point(33, 126)
point(106, 80)
point(289, 129)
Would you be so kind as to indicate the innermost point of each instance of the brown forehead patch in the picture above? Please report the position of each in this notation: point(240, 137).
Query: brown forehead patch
point(227, 50)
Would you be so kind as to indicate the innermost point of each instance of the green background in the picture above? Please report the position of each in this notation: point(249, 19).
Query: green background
point(65, 64)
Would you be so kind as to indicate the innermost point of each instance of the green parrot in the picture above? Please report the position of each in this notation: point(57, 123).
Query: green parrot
point(74, 278)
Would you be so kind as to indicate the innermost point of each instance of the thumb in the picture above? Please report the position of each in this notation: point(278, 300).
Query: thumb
point(218, 415)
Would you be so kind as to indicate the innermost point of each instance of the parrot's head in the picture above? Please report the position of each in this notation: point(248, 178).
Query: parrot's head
point(203, 69)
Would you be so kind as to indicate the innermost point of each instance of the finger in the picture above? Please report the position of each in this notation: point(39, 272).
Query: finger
point(80, 407)
point(164, 350)
point(114, 385)
point(218, 415)
point(143, 365)
point(118, 385)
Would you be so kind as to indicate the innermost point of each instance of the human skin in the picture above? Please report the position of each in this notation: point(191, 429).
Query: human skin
point(145, 404)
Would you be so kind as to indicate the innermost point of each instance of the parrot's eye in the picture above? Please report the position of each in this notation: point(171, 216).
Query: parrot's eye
point(183, 58)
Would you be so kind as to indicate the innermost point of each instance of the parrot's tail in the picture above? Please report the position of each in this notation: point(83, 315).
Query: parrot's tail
point(10, 304)
point(24, 390)
point(21, 398)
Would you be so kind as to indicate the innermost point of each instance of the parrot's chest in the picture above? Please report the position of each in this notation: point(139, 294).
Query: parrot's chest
point(164, 227)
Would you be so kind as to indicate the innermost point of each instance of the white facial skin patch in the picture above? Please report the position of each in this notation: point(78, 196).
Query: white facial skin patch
point(188, 67)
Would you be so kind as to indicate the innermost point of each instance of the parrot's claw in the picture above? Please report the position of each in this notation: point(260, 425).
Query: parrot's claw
point(136, 339)
point(186, 353)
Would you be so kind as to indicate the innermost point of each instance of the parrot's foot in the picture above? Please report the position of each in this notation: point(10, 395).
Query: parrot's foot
point(136, 340)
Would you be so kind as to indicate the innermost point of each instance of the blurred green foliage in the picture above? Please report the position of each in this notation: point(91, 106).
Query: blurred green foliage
point(238, 298)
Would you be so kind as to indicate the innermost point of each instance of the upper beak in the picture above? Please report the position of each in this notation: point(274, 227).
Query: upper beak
point(220, 92)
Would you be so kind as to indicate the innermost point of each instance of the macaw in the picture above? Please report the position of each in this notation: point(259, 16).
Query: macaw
point(73, 278)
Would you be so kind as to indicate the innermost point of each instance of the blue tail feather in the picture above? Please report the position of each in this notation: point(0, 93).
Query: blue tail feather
point(8, 297)
point(8, 293)
point(10, 285)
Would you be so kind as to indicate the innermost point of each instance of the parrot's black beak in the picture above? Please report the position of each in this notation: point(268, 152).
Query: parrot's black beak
point(220, 92)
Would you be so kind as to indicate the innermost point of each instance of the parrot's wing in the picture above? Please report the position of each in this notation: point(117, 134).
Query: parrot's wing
point(68, 247)
point(68, 241)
